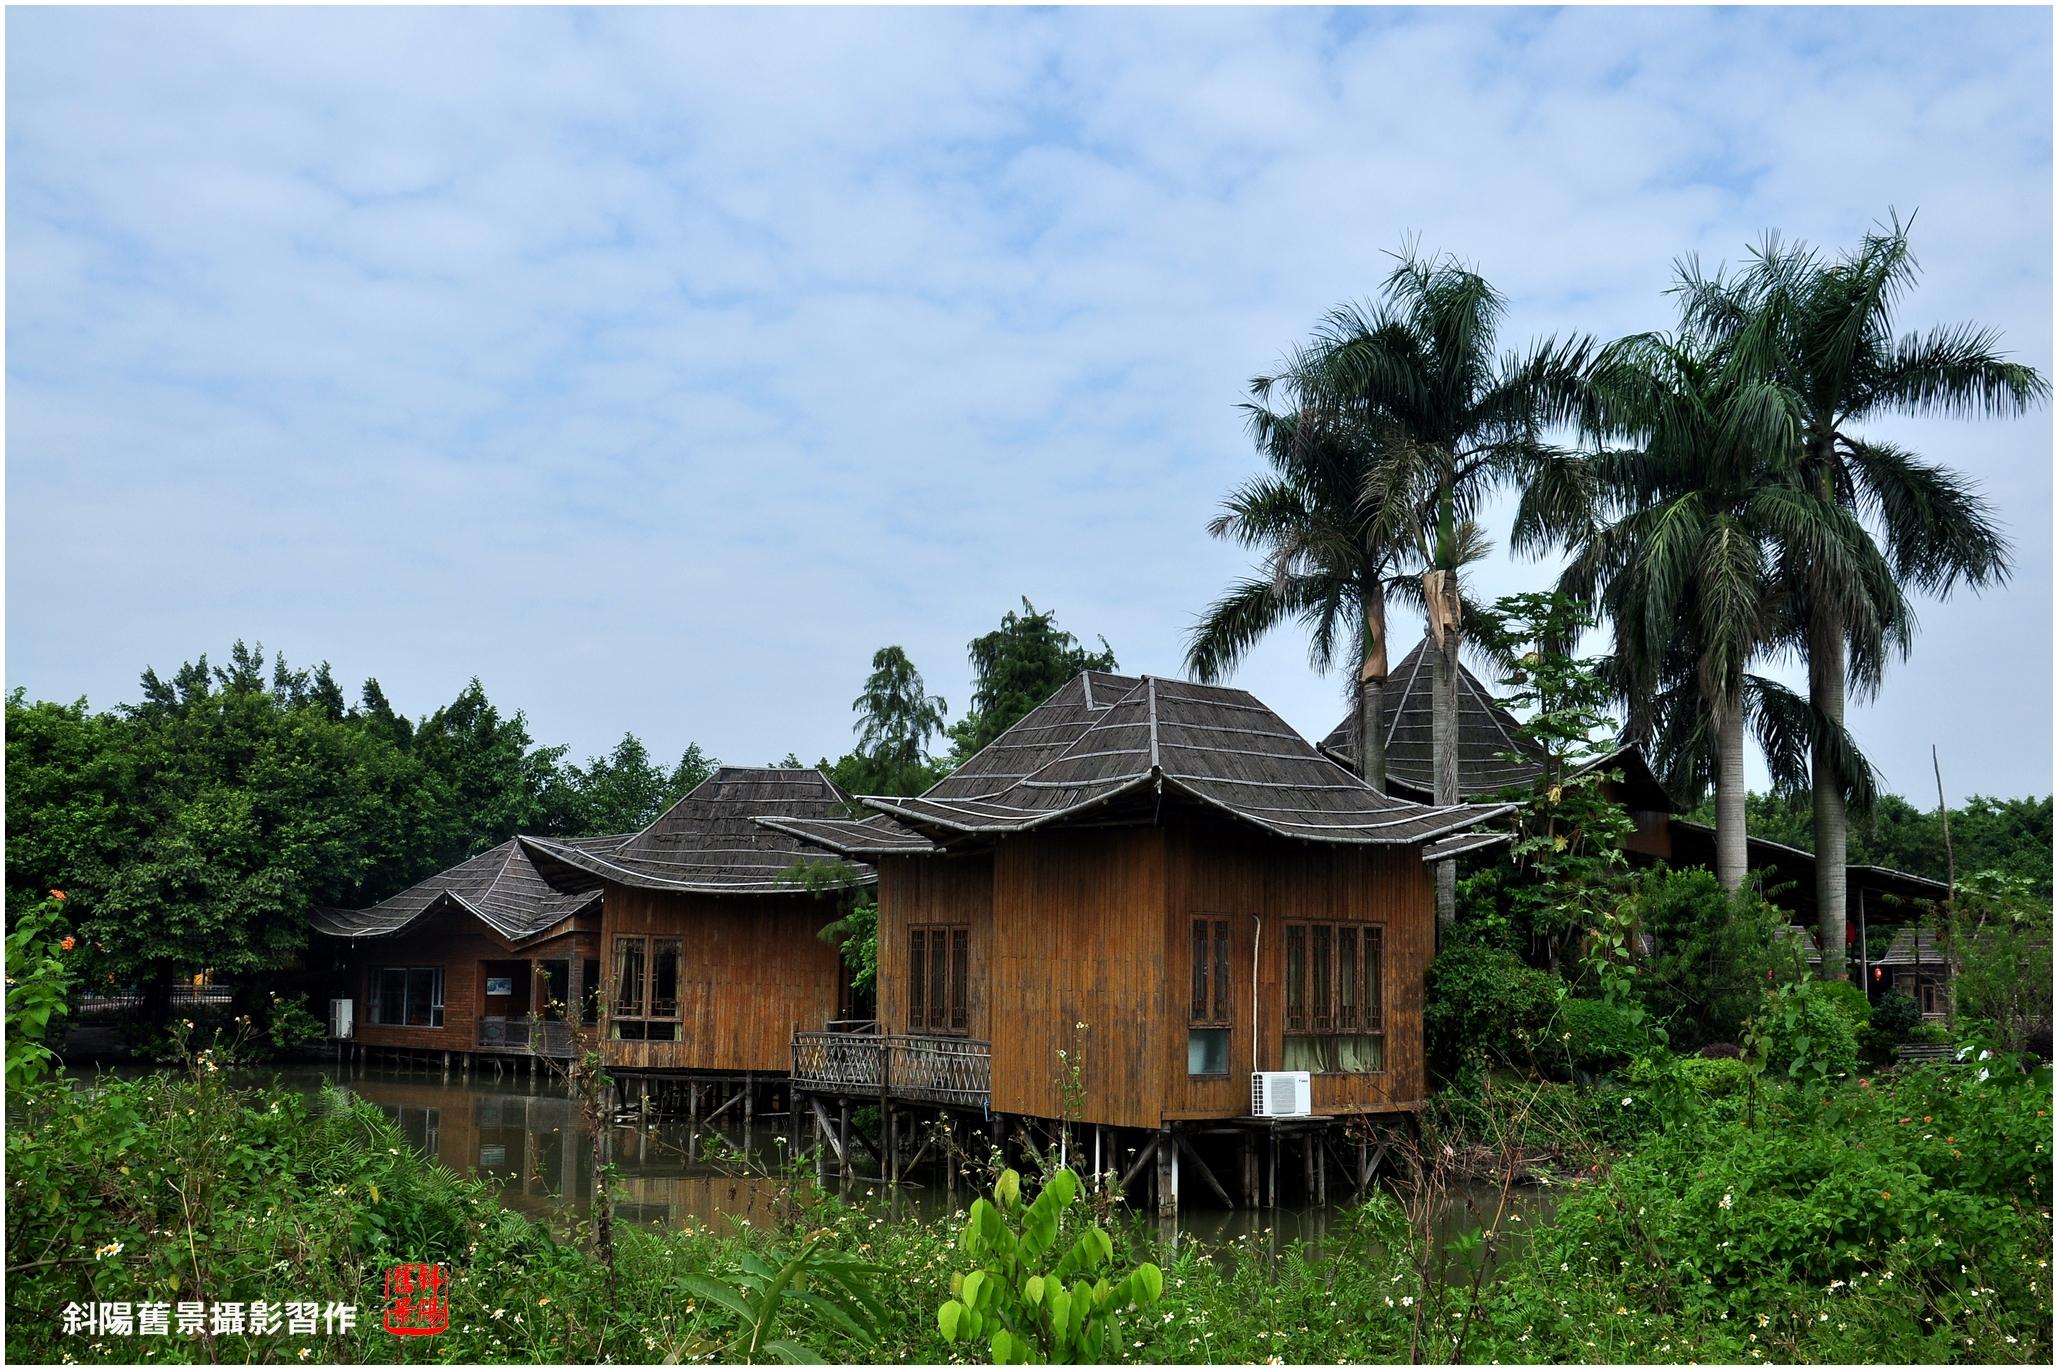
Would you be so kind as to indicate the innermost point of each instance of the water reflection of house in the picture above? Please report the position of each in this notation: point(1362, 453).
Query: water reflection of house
point(714, 953)
point(1165, 877)
point(1493, 756)
point(494, 956)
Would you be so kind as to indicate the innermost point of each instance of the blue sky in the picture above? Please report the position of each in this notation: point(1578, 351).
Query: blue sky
point(658, 366)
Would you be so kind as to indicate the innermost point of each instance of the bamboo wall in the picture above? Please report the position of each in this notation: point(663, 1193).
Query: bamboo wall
point(1094, 927)
point(752, 972)
point(1217, 870)
point(934, 891)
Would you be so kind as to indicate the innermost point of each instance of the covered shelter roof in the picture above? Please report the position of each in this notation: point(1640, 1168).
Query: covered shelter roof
point(1888, 893)
point(504, 887)
point(1110, 748)
point(708, 843)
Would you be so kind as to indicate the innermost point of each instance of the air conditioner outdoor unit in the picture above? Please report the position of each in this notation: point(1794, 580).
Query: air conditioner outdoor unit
point(1280, 1094)
point(341, 1023)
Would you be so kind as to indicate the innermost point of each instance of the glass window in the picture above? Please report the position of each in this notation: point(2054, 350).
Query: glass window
point(1207, 1051)
point(664, 979)
point(1335, 998)
point(410, 996)
point(646, 989)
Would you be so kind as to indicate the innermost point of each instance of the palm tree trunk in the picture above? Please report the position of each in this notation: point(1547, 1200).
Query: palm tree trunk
point(1731, 856)
point(1826, 693)
point(1371, 748)
point(1371, 754)
point(1444, 761)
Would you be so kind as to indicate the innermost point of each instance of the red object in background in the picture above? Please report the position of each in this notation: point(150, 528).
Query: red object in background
point(415, 1303)
point(1850, 934)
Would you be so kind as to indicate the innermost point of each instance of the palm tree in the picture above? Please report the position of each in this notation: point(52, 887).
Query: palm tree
point(1330, 563)
point(1688, 547)
point(1417, 374)
point(1824, 333)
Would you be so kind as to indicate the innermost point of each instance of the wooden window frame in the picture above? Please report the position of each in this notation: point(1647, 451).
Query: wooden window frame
point(1334, 984)
point(633, 1022)
point(948, 978)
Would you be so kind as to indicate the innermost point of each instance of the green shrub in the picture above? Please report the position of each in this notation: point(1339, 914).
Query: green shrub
point(1895, 1016)
point(1721, 1078)
point(1602, 1036)
point(1848, 999)
point(1710, 951)
point(1481, 999)
point(1830, 1040)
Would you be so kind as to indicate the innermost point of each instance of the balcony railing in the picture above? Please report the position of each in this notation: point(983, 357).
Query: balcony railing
point(529, 1036)
point(942, 1070)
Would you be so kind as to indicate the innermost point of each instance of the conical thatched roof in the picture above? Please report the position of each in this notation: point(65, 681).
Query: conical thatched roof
point(502, 887)
point(707, 842)
point(1407, 711)
point(1108, 747)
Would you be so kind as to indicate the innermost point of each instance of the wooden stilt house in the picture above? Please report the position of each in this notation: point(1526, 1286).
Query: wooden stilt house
point(1140, 894)
point(494, 956)
point(711, 949)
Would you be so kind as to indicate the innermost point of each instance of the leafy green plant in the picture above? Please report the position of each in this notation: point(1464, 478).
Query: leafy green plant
point(818, 1277)
point(291, 1024)
point(1019, 1304)
point(38, 988)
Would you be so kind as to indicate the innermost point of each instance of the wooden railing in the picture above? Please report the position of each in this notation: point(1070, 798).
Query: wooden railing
point(535, 1037)
point(943, 1070)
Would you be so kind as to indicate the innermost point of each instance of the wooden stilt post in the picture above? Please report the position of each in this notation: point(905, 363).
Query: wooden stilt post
point(1320, 1141)
point(843, 1139)
point(1168, 1173)
point(1272, 1172)
point(1250, 1169)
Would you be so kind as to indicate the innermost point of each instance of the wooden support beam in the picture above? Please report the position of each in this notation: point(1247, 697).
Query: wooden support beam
point(1143, 1159)
point(828, 1128)
point(1205, 1173)
point(1168, 1174)
point(726, 1107)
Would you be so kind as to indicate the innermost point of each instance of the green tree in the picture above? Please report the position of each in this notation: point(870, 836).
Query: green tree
point(195, 829)
point(1824, 332)
point(1015, 668)
point(1454, 424)
point(1330, 561)
point(896, 718)
point(625, 791)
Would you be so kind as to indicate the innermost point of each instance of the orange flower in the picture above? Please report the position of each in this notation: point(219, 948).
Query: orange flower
point(57, 894)
point(68, 943)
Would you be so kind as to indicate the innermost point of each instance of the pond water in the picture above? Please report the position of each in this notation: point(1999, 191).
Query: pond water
point(524, 1135)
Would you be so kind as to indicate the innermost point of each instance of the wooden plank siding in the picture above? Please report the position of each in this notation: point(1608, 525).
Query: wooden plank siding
point(1077, 937)
point(935, 891)
point(467, 951)
point(752, 971)
point(1094, 926)
point(1219, 870)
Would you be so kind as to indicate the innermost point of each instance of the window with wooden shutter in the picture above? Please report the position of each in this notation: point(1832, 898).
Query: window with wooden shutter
point(939, 979)
point(1207, 1036)
point(645, 997)
point(1335, 1010)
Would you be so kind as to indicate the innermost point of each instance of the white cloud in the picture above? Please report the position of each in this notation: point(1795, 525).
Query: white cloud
point(658, 366)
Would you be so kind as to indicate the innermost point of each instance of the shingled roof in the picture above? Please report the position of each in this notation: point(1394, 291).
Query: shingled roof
point(707, 843)
point(503, 887)
point(1485, 730)
point(1105, 747)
